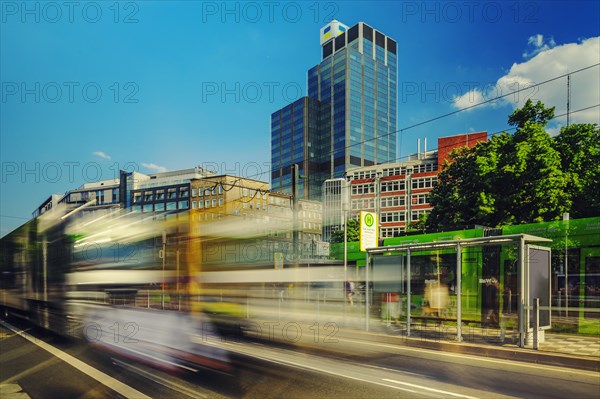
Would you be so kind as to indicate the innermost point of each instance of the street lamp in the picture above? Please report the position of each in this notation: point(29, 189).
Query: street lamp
point(344, 192)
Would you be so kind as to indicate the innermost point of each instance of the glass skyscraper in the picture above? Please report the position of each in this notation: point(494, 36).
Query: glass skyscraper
point(300, 134)
point(354, 92)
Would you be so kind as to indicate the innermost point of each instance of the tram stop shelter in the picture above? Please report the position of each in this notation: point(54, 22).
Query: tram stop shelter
point(470, 280)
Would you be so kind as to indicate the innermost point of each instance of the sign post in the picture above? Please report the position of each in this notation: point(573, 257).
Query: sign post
point(368, 230)
point(368, 239)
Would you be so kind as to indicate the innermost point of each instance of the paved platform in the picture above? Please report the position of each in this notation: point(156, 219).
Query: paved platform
point(579, 345)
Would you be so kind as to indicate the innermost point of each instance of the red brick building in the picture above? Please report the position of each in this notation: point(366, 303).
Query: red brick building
point(399, 191)
point(447, 144)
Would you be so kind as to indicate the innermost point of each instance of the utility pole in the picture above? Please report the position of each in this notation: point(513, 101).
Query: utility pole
point(378, 175)
point(568, 99)
point(295, 212)
point(164, 255)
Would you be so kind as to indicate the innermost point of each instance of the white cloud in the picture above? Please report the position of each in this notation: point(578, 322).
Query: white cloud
point(154, 167)
point(101, 154)
point(539, 44)
point(548, 64)
point(468, 99)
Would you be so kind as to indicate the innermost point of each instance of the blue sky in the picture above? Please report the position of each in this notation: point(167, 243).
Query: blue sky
point(155, 85)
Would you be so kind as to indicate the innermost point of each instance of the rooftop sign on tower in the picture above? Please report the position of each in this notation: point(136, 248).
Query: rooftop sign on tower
point(332, 30)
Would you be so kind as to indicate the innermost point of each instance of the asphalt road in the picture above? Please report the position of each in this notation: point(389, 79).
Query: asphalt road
point(345, 368)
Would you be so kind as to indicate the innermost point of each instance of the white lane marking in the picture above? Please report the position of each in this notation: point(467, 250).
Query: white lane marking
point(430, 389)
point(160, 380)
point(314, 368)
point(478, 358)
point(85, 368)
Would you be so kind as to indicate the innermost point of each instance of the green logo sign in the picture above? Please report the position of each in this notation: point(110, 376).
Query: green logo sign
point(369, 219)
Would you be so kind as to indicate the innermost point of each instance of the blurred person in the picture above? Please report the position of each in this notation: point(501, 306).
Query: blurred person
point(349, 287)
point(489, 302)
point(436, 298)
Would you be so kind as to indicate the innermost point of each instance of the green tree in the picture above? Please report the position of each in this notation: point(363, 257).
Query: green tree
point(530, 112)
point(419, 225)
point(510, 179)
point(579, 148)
point(531, 185)
point(353, 232)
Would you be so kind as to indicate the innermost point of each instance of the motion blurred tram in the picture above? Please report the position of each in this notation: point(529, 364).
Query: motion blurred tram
point(114, 278)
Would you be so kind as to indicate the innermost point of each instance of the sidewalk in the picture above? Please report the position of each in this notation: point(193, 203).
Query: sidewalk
point(557, 349)
point(578, 345)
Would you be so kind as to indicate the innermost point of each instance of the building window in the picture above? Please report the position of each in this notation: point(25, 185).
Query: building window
point(389, 186)
point(220, 189)
point(391, 231)
point(148, 196)
point(368, 174)
point(364, 203)
point(428, 167)
point(388, 202)
point(416, 214)
point(159, 207)
point(424, 182)
point(171, 206)
point(100, 197)
point(358, 189)
point(244, 191)
point(420, 199)
point(207, 191)
point(390, 217)
point(171, 194)
point(184, 204)
point(147, 208)
point(137, 208)
point(200, 204)
point(194, 204)
point(160, 195)
point(193, 192)
point(220, 201)
point(115, 195)
point(184, 193)
point(207, 204)
point(137, 198)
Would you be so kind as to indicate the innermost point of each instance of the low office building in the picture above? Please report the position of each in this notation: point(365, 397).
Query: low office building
point(252, 206)
point(50, 203)
point(160, 192)
point(400, 192)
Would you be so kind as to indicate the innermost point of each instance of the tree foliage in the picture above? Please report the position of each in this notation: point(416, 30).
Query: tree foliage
point(579, 147)
point(353, 232)
point(526, 177)
point(530, 112)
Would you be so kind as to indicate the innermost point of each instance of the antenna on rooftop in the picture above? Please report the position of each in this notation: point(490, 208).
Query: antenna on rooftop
point(568, 99)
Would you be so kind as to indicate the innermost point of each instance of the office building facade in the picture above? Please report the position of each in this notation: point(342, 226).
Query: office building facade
point(299, 135)
point(353, 93)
